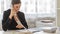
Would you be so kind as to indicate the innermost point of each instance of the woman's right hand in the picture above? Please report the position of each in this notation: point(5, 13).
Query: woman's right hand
point(12, 13)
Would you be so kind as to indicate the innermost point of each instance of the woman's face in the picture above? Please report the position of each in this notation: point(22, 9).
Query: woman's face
point(16, 7)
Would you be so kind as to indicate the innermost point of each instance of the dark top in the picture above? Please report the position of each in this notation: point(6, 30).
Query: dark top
point(10, 24)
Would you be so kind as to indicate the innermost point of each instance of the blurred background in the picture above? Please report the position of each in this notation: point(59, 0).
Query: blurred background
point(38, 13)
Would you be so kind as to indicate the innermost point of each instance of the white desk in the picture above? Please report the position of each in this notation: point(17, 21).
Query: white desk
point(14, 32)
point(25, 32)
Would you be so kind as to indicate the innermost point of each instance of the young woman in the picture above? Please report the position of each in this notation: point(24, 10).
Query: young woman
point(12, 16)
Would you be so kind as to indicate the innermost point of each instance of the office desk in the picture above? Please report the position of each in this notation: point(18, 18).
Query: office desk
point(27, 31)
point(16, 32)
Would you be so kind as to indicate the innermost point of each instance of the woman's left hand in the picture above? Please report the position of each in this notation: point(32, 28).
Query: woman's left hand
point(19, 26)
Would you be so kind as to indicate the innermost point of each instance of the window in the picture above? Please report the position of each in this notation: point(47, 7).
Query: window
point(40, 7)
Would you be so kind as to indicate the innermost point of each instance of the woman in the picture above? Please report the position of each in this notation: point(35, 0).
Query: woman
point(12, 16)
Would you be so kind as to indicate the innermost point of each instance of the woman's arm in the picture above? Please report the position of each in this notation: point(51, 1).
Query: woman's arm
point(5, 21)
point(21, 17)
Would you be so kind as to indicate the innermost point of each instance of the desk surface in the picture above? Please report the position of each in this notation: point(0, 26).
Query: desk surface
point(26, 32)
point(15, 32)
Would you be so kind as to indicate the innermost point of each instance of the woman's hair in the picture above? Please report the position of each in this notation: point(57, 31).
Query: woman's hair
point(15, 2)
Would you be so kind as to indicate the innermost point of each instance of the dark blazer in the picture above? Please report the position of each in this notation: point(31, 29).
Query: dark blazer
point(10, 24)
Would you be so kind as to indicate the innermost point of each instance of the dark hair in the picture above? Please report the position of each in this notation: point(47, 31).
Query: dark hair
point(15, 2)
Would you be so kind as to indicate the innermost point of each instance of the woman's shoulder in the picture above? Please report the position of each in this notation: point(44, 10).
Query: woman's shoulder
point(7, 11)
point(21, 12)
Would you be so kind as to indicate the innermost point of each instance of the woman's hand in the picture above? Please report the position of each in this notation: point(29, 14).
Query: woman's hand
point(12, 13)
point(19, 26)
